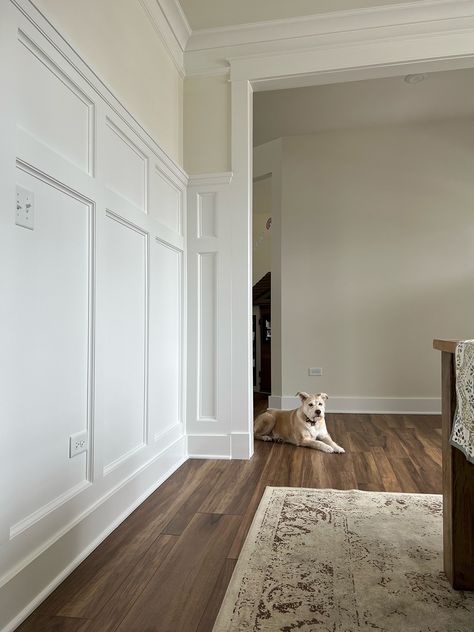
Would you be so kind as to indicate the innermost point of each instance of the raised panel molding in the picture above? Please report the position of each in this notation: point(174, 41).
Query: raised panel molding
point(207, 336)
point(166, 362)
point(32, 17)
point(136, 406)
point(207, 217)
point(166, 203)
point(46, 116)
point(88, 422)
point(125, 166)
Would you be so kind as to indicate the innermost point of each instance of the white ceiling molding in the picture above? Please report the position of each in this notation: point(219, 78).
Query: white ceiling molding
point(209, 49)
point(177, 20)
point(171, 25)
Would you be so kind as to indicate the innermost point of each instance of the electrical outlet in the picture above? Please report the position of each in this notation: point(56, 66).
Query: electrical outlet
point(78, 443)
point(25, 208)
point(315, 371)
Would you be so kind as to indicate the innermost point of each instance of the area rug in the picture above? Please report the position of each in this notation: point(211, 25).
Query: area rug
point(341, 561)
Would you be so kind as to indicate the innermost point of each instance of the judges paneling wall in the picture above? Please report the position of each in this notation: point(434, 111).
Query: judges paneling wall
point(93, 312)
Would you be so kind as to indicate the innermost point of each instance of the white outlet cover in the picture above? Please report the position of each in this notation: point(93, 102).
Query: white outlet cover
point(25, 208)
point(315, 371)
point(78, 443)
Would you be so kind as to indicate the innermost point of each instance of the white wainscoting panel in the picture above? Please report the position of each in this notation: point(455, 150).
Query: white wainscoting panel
point(166, 200)
point(207, 217)
point(207, 336)
point(53, 343)
point(77, 339)
point(166, 333)
point(124, 165)
point(52, 107)
point(209, 317)
point(125, 305)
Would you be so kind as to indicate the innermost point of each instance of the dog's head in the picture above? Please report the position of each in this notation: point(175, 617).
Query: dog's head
point(314, 406)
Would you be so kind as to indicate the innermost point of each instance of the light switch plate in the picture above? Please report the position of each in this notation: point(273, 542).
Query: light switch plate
point(25, 208)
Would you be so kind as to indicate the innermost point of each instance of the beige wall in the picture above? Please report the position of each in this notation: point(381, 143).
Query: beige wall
point(261, 236)
point(206, 124)
point(118, 41)
point(377, 257)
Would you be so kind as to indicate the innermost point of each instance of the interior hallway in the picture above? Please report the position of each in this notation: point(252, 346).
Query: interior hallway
point(166, 568)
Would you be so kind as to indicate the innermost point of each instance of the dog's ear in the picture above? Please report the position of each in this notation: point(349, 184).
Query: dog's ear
point(302, 395)
point(324, 396)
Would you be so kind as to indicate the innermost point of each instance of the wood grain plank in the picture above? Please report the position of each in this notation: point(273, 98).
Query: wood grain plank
point(213, 605)
point(44, 622)
point(108, 616)
point(178, 593)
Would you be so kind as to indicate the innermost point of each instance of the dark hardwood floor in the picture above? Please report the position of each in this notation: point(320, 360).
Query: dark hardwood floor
point(166, 568)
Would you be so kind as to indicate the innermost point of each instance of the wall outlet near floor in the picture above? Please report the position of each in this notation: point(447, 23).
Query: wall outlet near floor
point(78, 443)
point(315, 371)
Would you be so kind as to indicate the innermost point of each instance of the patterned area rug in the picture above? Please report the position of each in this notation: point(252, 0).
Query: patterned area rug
point(327, 561)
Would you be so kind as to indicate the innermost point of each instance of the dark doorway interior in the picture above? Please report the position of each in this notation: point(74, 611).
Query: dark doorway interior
point(262, 335)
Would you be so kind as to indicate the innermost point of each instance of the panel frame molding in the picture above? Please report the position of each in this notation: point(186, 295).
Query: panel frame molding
point(74, 60)
point(214, 255)
point(122, 459)
point(116, 129)
point(168, 179)
point(39, 514)
point(182, 346)
point(42, 56)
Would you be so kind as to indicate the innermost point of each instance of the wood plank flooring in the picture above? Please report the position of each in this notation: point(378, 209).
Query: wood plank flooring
point(166, 568)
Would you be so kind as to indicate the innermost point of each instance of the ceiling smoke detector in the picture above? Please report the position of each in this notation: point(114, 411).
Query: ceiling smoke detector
point(418, 78)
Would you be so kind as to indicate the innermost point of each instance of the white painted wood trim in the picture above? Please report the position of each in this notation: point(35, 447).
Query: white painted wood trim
point(170, 26)
point(41, 23)
point(210, 179)
point(333, 22)
point(93, 544)
point(295, 46)
point(234, 445)
point(177, 19)
point(372, 405)
point(98, 503)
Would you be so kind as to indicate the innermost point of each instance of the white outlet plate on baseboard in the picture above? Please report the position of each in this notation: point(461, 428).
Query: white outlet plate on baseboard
point(78, 443)
point(315, 371)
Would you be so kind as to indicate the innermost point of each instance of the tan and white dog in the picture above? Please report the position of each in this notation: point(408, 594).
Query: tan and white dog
point(305, 426)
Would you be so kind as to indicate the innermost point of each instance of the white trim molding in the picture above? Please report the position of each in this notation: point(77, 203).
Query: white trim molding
point(370, 405)
point(353, 20)
point(210, 179)
point(59, 558)
point(73, 58)
point(212, 49)
point(234, 445)
point(171, 26)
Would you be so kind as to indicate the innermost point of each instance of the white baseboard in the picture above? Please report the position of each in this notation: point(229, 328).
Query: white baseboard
point(235, 445)
point(28, 588)
point(373, 405)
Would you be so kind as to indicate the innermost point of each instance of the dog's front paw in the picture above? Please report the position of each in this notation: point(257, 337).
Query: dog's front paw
point(339, 450)
point(326, 448)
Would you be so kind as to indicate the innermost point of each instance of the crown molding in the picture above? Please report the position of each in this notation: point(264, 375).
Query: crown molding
point(171, 26)
point(177, 20)
point(331, 22)
point(213, 48)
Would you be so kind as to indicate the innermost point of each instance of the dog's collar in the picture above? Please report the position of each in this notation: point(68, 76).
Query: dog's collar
point(310, 421)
